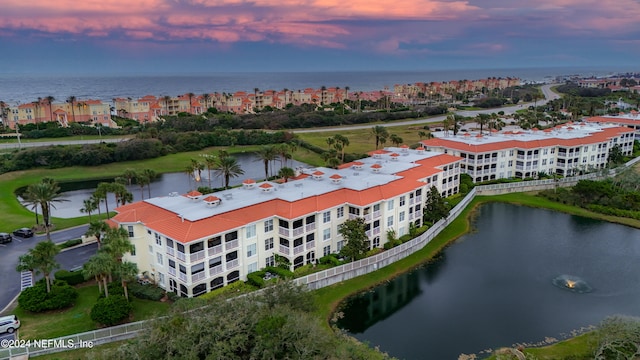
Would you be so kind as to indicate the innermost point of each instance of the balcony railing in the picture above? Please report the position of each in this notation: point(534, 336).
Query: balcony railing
point(172, 271)
point(197, 256)
point(181, 256)
point(368, 233)
point(232, 264)
point(215, 270)
point(231, 244)
point(197, 277)
point(411, 201)
point(376, 231)
point(284, 250)
point(298, 249)
point(215, 250)
point(283, 231)
point(411, 216)
point(310, 227)
point(182, 277)
point(298, 231)
point(353, 216)
point(376, 214)
point(418, 198)
point(367, 217)
point(311, 245)
point(170, 251)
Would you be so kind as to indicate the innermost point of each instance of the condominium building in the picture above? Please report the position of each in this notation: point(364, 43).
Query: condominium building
point(86, 111)
point(194, 243)
point(630, 120)
point(564, 150)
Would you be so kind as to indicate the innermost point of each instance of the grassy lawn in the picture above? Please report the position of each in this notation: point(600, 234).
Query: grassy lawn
point(14, 140)
point(77, 319)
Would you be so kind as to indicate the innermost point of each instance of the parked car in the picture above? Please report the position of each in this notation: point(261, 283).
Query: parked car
point(9, 324)
point(23, 232)
point(5, 238)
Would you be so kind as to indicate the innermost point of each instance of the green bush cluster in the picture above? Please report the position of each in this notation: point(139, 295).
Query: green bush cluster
point(70, 243)
point(146, 292)
point(111, 310)
point(36, 298)
point(331, 259)
point(70, 277)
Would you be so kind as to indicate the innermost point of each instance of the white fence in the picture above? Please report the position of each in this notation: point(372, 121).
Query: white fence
point(77, 341)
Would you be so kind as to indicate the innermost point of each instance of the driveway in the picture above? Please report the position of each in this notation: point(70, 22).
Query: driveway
point(9, 254)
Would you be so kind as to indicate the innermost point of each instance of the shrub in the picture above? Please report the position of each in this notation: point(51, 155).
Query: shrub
point(173, 296)
point(146, 292)
point(70, 277)
point(256, 278)
point(70, 243)
point(111, 310)
point(115, 288)
point(330, 259)
point(282, 273)
point(404, 238)
point(36, 298)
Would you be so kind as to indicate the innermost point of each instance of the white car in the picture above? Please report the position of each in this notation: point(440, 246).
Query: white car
point(9, 324)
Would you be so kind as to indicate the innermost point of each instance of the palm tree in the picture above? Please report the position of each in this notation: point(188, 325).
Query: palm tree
point(127, 272)
point(188, 170)
point(380, 133)
point(206, 98)
point(97, 229)
point(116, 243)
point(129, 174)
point(72, 100)
point(286, 173)
point(100, 266)
point(266, 153)
point(26, 263)
point(142, 180)
point(228, 167)
point(45, 193)
point(255, 98)
point(44, 259)
point(50, 100)
point(197, 166)
point(102, 192)
point(482, 119)
point(151, 175)
point(395, 139)
point(284, 151)
point(95, 197)
point(88, 206)
point(190, 95)
point(210, 162)
point(323, 95)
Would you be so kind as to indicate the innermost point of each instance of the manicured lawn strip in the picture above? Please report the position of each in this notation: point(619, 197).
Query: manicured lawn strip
point(83, 354)
point(14, 140)
point(77, 319)
point(579, 347)
point(15, 215)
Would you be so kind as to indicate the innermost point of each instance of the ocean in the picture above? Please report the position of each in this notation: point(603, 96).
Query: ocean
point(22, 88)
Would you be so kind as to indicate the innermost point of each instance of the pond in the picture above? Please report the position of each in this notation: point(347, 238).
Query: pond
point(512, 281)
point(76, 192)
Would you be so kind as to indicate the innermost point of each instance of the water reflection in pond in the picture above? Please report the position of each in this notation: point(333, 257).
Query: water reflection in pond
point(495, 287)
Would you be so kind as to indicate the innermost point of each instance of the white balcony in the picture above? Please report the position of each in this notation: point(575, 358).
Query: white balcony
point(215, 270)
point(284, 250)
point(311, 245)
point(376, 231)
point(283, 231)
point(215, 250)
point(310, 227)
point(231, 244)
point(181, 256)
point(298, 249)
point(376, 214)
point(197, 256)
point(182, 277)
point(197, 277)
point(232, 264)
point(172, 271)
point(298, 231)
point(170, 251)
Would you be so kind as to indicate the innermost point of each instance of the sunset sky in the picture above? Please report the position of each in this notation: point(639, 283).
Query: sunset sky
point(317, 35)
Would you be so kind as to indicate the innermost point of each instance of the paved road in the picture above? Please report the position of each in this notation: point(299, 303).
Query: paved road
point(9, 253)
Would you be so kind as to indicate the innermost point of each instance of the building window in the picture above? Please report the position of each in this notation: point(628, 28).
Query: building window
point(340, 245)
point(251, 250)
point(270, 261)
point(158, 239)
point(402, 200)
point(159, 258)
point(340, 212)
point(161, 281)
point(326, 250)
point(326, 234)
point(151, 249)
point(253, 267)
point(133, 250)
point(268, 225)
point(326, 217)
point(390, 205)
point(401, 216)
point(130, 229)
point(268, 244)
point(390, 221)
point(250, 231)
point(198, 268)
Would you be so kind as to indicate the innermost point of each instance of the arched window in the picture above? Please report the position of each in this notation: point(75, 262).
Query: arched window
point(199, 289)
point(233, 277)
point(217, 282)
